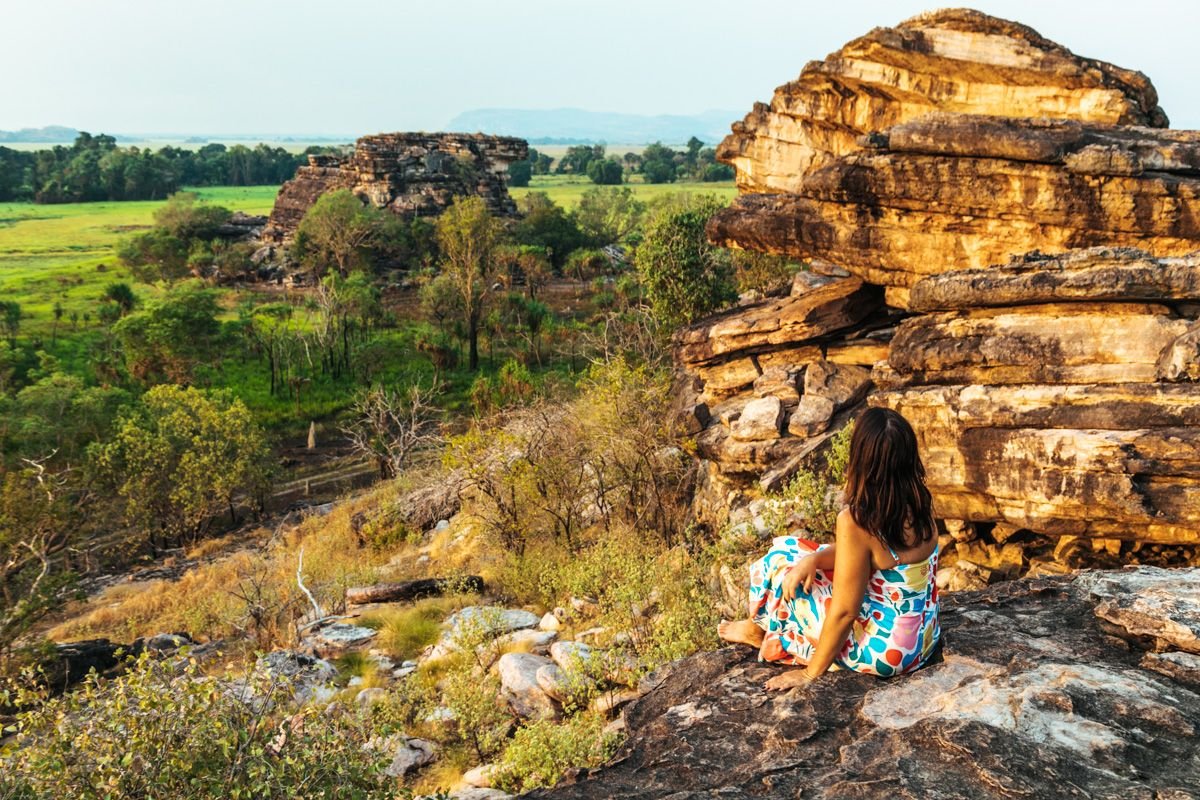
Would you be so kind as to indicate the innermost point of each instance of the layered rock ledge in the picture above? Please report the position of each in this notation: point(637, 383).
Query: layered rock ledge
point(1085, 687)
point(411, 174)
point(954, 141)
point(1005, 234)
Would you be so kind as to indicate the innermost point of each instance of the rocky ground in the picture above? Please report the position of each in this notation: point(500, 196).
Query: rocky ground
point(1072, 687)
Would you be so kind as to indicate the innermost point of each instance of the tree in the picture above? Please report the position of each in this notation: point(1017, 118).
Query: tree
point(577, 158)
point(468, 235)
point(658, 163)
point(545, 224)
point(180, 457)
point(658, 172)
point(122, 295)
point(342, 232)
point(392, 426)
point(37, 523)
point(167, 339)
point(685, 277)
point(11, 311)
point(605, 171)
point(608, 216)
point(519, 173)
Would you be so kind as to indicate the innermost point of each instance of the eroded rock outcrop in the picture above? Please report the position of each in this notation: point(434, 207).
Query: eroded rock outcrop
point(1006, 235)
point(411, 174)
point(1039, 693)
point(953, 141)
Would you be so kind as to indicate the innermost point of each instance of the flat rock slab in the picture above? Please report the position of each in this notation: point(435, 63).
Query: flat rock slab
point(1031, 699)
point(1151, 603)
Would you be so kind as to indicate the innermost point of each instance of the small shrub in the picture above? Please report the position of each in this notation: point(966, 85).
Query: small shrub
point(542, 751)
point(159, 733)
point(406, 632)
point(813, 495)
point(481, 718)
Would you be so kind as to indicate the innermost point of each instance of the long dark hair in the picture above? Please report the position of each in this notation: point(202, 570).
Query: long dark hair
point(885, 480)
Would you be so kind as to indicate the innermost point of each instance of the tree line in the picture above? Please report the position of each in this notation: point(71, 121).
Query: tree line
point(657, 163)
point(96, 168)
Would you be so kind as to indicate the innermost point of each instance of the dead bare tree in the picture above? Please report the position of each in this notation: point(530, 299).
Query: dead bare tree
point(392, 426)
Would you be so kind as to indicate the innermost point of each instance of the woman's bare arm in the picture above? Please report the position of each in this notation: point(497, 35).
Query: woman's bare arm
point(852, 570)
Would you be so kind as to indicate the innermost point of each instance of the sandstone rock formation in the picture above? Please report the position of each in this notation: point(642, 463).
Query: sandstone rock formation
point(1006, 235)
point(1035, 696)
point(953, 141)
point(412, 174)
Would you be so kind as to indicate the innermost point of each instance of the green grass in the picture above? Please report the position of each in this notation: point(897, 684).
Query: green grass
point(567, 189)
point(65, 253)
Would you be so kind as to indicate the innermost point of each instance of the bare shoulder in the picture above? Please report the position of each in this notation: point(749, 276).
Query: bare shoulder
point(848, 528)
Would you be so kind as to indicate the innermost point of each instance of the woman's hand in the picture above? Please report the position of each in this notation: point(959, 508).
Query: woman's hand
point(789, 680)
point(799, 574)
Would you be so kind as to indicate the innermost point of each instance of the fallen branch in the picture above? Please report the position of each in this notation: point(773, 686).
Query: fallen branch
point(412, 590)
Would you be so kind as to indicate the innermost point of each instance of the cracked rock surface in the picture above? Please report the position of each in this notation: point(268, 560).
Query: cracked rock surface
point(1037, 694)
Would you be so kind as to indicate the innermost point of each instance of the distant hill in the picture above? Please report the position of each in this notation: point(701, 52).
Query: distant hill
point(576, 126)
point(50, 134)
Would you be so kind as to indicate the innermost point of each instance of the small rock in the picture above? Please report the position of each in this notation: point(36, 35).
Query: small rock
point(533, 639)
point(442, 524)
point(481, 776)
point(761, 420)
point(518, 677)
point(382, 662)
point(570, 655)
point(591, 635)
point(844, 384)
point(442, 716)
point(805, 281)
point(608, 702)
point(584, 605)
point(309, 676)
point(409, 756)
point(549, 622)
point(167, 642)
point(478, 793)
point(403, 672)
point(339, 637)
point(812, 416)
point(495, 619)
point(780, 382)
point(355, 681)
point(553, 681)
point(369, 697)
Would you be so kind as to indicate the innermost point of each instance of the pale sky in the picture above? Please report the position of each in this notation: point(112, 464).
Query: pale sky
point(361, 66)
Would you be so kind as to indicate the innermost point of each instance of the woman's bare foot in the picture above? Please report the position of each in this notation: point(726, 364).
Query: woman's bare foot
point(741, 632)
point(788, 680)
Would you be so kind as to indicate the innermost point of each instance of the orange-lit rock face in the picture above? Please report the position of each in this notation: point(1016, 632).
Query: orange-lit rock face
point(1022, 236)
point(953, 141)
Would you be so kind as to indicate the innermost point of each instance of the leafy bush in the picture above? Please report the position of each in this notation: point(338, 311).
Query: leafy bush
point(684, 276)
point(813, 495)
point(162, 732)
point(542, 751)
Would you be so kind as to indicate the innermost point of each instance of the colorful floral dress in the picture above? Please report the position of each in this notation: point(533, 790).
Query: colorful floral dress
point(896, 629)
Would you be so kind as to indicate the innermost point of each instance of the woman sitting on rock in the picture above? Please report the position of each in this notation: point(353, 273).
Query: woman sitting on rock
point(868, 602)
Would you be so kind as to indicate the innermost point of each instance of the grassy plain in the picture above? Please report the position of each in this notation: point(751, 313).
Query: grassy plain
point(565, 190)
point(65, 253)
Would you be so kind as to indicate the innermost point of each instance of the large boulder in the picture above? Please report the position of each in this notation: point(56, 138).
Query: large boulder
point(519, 679)
point(1032, 697)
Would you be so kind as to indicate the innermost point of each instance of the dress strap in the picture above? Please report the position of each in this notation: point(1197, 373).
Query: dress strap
point(895, 557)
